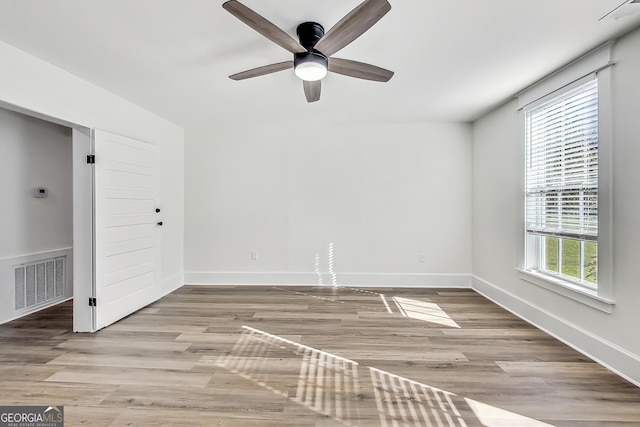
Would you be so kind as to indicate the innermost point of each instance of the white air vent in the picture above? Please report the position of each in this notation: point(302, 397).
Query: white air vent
point(39, 283)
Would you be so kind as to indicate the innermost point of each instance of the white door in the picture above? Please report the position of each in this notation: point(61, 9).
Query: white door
point(127, 227)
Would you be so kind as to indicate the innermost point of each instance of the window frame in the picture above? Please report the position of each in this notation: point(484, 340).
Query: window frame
point(596, 65)
point(535, 246)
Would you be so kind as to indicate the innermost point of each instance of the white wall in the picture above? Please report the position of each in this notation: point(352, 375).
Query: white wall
point(34, 153)
point(382, 194)
point(32, 84)
point(498, 227)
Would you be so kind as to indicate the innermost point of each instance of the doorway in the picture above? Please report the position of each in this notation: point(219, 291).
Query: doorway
point(36, 244)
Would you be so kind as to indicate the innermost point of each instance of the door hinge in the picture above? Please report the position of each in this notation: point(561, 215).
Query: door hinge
point(92, 302)
point(91, 158)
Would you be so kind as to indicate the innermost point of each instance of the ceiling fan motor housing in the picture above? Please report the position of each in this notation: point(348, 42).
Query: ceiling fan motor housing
point(309, 33)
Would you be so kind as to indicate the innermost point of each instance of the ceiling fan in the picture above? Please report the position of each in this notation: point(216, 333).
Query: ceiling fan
point(312, 55)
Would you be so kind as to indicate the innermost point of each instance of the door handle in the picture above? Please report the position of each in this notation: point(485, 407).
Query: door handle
point(160, 223)
point(157, 210)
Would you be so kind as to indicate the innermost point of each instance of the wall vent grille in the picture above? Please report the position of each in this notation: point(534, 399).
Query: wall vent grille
point(40, 282)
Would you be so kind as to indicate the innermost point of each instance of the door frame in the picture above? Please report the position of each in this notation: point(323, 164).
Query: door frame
point(83, 231)
point(83, 218)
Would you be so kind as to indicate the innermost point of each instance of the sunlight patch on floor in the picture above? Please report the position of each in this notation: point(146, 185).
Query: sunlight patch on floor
point(402, 401)
point(422, 310)
point(491, 416)
point(329, 384)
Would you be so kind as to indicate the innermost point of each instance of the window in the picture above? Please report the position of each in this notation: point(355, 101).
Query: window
point(561, 194)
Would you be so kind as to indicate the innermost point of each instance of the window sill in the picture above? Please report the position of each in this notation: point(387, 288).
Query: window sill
point(567, 289)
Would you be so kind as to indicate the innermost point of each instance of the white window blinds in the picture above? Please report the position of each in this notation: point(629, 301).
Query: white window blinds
point(562, 165)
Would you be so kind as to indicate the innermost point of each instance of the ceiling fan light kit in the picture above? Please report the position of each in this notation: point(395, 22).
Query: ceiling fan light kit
point(312, 55)
point(311, 66)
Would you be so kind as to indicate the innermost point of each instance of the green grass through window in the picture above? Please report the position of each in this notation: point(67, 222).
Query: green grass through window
point(568, 251)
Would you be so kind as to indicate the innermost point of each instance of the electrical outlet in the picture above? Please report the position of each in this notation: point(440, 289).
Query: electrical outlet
point(254, 255)
point(421, 258)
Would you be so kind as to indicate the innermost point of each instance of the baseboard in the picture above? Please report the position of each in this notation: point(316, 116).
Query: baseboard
point(172, 283)
point(341, 279)
point(599, 349)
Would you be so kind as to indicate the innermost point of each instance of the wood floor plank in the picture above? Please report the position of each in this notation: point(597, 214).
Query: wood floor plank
point(118, 347)
point(147, 325)
point(27, 372)
point(218, 397)
point(122, 361)
point(91, 415)
point(45, 393)
point(186, 417)
point(119, 376)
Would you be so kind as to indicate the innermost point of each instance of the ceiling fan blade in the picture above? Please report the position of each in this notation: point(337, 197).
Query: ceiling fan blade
point(261, 71)
point(352, 26)
point(263, 26)
point(359, 70)
point(312, 90)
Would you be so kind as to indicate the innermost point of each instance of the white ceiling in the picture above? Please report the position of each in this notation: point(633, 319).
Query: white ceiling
point(454, 60)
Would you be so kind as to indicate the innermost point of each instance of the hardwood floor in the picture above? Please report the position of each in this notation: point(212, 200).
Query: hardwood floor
point(310, 356)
